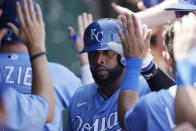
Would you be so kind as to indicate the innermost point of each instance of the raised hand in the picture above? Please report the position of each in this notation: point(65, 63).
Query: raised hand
point(76, 39)
point(184, 38)
point(31, 32)
point(135, 44)
point(83, 21)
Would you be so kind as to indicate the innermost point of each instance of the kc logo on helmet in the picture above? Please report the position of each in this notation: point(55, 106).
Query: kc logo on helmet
point(98, 36)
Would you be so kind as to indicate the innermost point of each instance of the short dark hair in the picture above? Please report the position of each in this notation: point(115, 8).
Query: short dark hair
point(168, 37)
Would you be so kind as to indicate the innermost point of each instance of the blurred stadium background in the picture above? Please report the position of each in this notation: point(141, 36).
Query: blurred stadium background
point(58, 15)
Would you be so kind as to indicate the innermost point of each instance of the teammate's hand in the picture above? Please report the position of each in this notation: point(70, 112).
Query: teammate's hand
point(135, 44)
point(76, 39)
point(31, 32)
point(184, 38)
point(83, 21)
point(3, 30)
point(120, 10)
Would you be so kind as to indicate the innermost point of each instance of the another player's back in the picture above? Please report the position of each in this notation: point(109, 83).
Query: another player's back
point(155, 111)
point(16, 73)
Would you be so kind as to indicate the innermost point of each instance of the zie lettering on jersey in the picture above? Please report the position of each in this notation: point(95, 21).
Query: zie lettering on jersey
point(100, 124)
point(17, 75)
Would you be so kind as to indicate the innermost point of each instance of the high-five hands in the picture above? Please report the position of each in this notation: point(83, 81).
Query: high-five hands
point(31, 32)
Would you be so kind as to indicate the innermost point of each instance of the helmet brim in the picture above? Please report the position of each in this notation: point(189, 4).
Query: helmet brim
point(95, 47)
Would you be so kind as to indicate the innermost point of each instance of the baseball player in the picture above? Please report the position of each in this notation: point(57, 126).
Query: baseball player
point(185, 95)
point(16, 71)
point(155, 111)
point(130, 107)
point(155, 77)
point(19, 111)
point(94, 106)
point(185, 68)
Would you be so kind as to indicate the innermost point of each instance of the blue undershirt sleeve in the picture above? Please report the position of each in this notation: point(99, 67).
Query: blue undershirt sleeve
point(132, 73)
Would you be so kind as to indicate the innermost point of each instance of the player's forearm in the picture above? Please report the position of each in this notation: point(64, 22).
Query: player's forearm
point(185, 105)
point(129, 88)
point(86, 75)
point(157, 15)
point(127, 99)
point(83, 58)
point(42, 83)
point(157, 79)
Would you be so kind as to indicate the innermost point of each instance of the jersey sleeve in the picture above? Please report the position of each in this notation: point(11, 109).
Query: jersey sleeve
point(24, 112)
point(65, 84)
point(136, 116)
point(143, 87)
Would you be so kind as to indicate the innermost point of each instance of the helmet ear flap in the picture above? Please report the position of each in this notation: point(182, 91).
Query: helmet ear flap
point(123, 61)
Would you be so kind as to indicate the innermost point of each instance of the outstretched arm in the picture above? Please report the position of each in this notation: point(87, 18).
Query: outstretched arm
point(152, 16)
point(76, 40)
point(32, 34)
point(184, 40)
point(135, 47)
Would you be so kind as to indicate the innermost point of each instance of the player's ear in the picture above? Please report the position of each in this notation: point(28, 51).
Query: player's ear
point(167, 58)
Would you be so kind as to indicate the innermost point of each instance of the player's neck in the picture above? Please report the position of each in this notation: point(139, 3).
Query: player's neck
point(109, 90)
point(13, 47)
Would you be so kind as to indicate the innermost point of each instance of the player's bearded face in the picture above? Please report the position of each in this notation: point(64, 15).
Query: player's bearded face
point(104, 76)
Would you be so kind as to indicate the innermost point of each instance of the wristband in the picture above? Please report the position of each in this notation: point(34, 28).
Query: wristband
point(149, 67)
point(147, 60)
point(37, 55)
point(132, 73)
point(73, 37)
point(186, 73)
point(150, 71)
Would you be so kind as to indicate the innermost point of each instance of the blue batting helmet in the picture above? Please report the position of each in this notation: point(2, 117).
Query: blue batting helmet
point(99, 33)
point(9, 15)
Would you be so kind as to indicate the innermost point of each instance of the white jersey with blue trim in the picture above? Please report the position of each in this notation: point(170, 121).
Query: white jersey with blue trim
point(88, 110)
point(16, 72)
point(152, 112)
